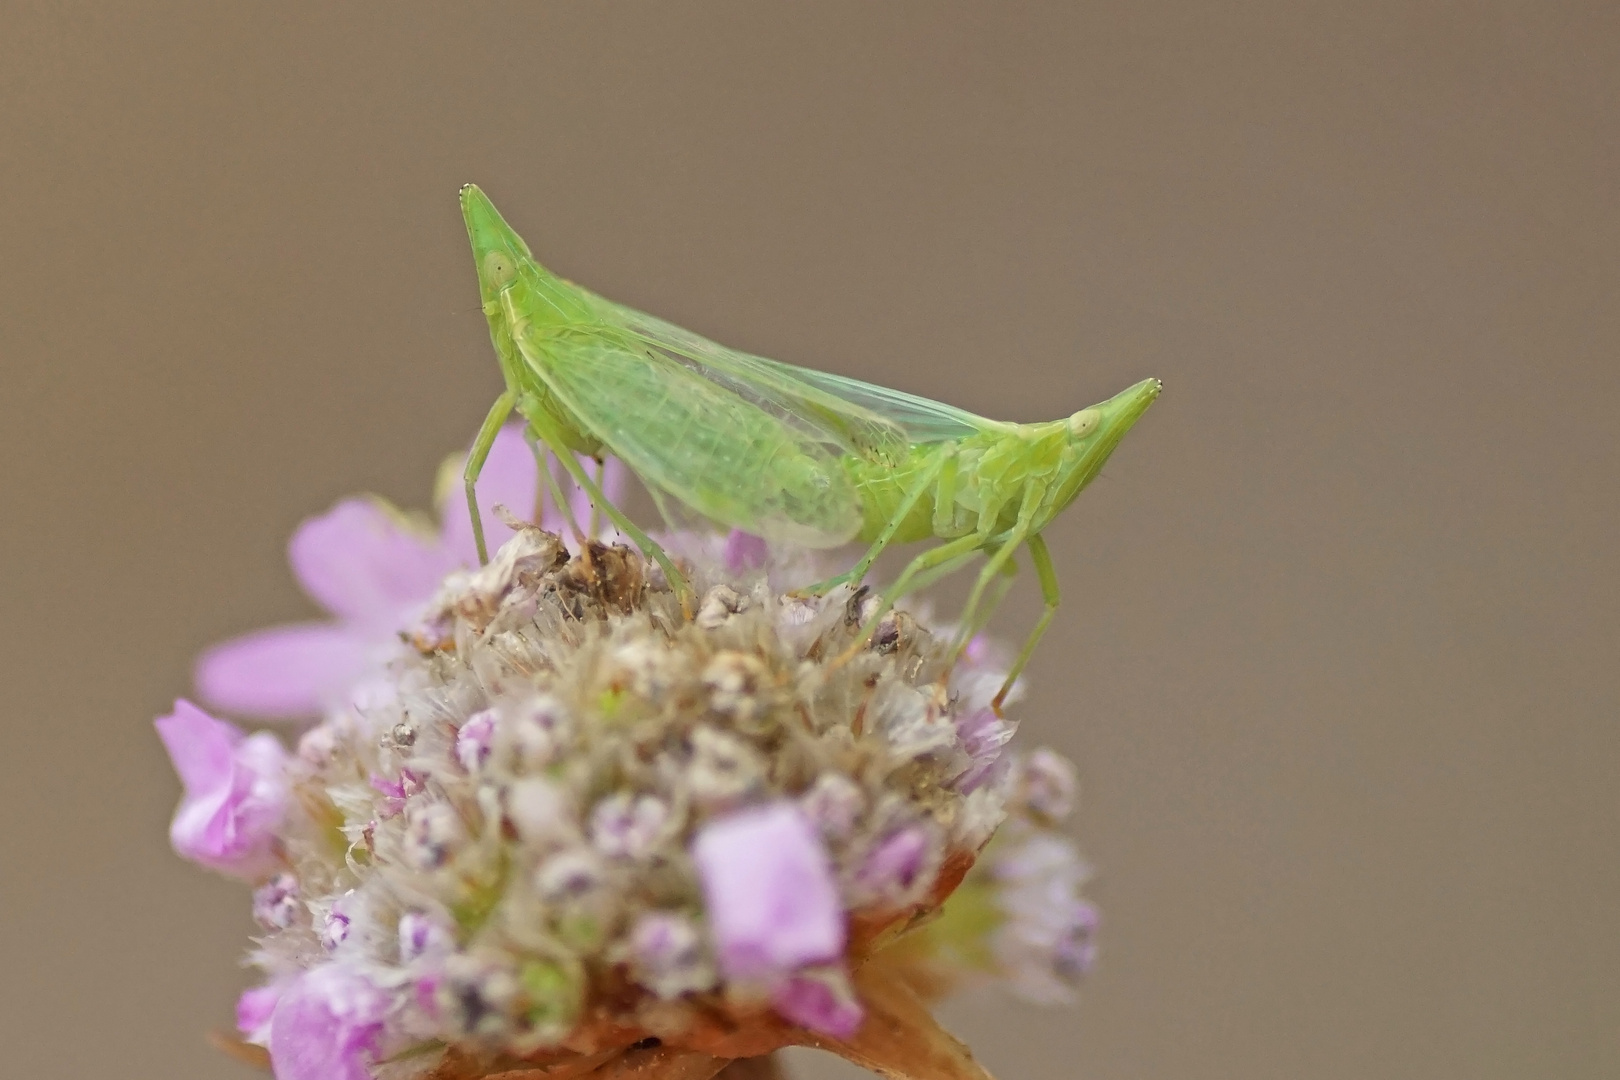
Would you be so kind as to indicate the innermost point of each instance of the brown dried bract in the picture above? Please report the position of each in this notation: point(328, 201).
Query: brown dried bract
point(610, 575)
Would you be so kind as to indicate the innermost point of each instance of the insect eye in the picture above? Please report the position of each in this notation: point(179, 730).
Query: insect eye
point(1084, 422)
point(500, 268)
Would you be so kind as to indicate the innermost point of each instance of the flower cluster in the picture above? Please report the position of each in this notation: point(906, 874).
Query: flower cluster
point(553, 817)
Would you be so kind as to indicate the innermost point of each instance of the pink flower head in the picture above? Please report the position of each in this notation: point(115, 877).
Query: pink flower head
point(371, 569)
point(772, 905)
point(235, 791)
point(1047, 940)
point(326, 1026)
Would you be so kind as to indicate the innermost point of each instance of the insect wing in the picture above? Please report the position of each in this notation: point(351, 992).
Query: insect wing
point(695, 439)
point(860, 413)
point(776, 387)
point(922, 419)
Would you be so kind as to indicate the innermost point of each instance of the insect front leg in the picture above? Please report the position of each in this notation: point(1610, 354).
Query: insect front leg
point(1015, 536)
point(1042, 561)
point(498, 413)
point(926, 477)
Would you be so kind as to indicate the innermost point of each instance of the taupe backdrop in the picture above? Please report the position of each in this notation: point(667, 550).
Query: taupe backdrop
point(1338, 659)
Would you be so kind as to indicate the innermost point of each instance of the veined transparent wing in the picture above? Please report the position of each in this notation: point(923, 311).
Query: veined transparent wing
point(694, 438)
point(922, 419)
point(810, 399)
point(866, 414)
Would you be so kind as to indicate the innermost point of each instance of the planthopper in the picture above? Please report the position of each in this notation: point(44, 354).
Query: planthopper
point(790, 454)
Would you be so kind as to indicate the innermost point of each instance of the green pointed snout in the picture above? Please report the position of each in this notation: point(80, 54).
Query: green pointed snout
point(498, 252)
point(1126, 407)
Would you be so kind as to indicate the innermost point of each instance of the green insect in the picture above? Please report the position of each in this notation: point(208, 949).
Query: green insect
point(784, 452)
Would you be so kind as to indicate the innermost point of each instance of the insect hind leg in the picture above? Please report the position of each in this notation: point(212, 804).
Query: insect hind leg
point(929, 474)
point(542, 459)
point(1042, 561)
point(965, 631)
point(952, 554)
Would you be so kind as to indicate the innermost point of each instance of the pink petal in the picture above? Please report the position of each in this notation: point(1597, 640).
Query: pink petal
point(510, 478)
point(325, 1027)
point(285, 672)
point(769, 892)
point(254, 1009)
point(745, 551)
point(822, 1001)
point(363, 565)
point(235, 791)
point(199, 747)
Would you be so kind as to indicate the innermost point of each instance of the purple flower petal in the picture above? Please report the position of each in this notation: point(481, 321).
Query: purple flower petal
point(821, 1001)
point(982, 735)
point(510, 478)
point(745, 551)
point(235, 791)
point(421, 934)
point(364, 565)
point(628, 828)
point(284, 672)
point(1048, 939)
point(771, 901)
point(1048, 784)
point(326, 1026)
point(254, 1009)
point(199, 746)
point(667, 954)
point(475, 739)
point(898, 866)
point(278, 903)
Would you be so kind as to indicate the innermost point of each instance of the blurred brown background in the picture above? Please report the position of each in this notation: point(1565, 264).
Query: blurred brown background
point(1338, 659)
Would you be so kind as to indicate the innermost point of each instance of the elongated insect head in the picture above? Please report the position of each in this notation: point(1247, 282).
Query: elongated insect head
point(498, 251)
point(1095, 431)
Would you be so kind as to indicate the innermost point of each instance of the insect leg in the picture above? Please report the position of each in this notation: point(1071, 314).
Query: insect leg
point(542, 458)
point(915, 492)
point(952, 552)
point(648, 547)
point(596, 511)
point(997, 593)
point(1015, 536)
point(943, 570)
point(1042, 561)
point(498, 413)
